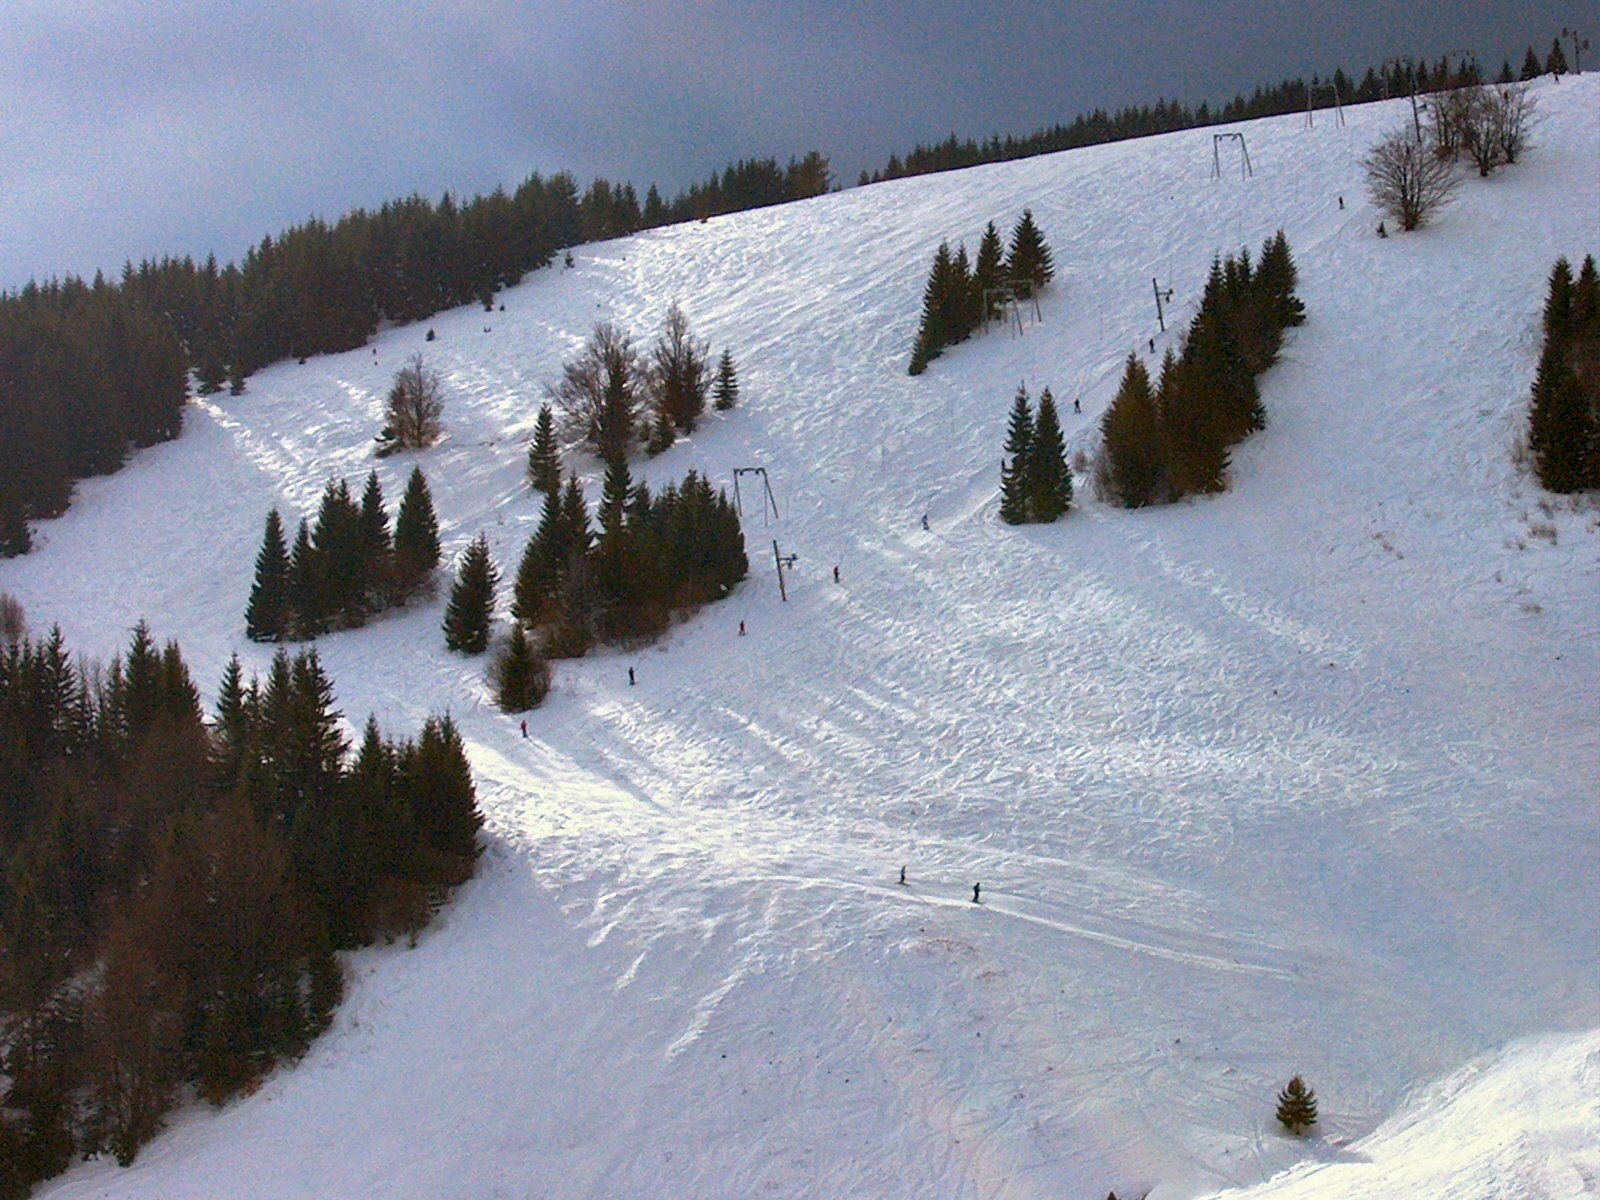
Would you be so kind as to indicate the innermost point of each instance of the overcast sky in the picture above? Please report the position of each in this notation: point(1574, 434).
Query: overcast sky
point(130, 130)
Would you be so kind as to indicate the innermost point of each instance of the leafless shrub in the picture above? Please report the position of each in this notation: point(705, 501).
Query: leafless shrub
point(1407, 180)
point(1517, 118)
point(415, 409)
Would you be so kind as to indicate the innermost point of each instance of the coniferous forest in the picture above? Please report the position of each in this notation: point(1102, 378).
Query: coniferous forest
point(1170, 438)
point(172, 889)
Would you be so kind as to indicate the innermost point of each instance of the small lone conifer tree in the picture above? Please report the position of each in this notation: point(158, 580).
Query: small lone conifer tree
point(726, 394)
point(1297, 1106)
point(466, 617)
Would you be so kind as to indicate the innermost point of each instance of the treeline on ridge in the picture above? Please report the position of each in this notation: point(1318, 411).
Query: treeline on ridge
point(89, 371)
point(1163, 442)
point(1397, 77)
point(172, 892)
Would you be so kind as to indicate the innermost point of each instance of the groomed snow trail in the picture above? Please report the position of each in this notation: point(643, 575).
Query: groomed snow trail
point(1301, 778)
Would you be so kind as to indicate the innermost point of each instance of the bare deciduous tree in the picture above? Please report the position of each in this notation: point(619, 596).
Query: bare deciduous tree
point(1517, 118)
point(1407, 179)
point(679, 373)
point(415, 409)
point(598, 392)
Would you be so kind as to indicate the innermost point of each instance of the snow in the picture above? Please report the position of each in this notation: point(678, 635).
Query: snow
point(1297, 779)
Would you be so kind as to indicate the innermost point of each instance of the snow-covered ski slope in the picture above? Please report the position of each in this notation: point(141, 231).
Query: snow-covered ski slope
point(1301, 778)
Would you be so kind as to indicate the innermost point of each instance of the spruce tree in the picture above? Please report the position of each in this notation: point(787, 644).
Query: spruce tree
point(1558, 304)
point(1561, 424)
point(577, 538)
point(544, 455)
point(1297, 1106)
point(663, 433)
point(305, 585)
point(1530, 66)
point(521, 676)
point(1014, 475)
point(1586, 300)
point(377, 546)
point(933, 335)
point(1131, 437)
point(1029, 266)
point(339, 539)
point(444, 803)
point(267, 618)
point(989, 272)
point(416, 535)
point(1555, 63)
point(1049, 480)
point(961, 306)
point(726, 392)
point(467, 615)
point(542, 562)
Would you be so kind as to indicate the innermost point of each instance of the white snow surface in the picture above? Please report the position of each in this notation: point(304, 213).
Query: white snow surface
point(1297, 779)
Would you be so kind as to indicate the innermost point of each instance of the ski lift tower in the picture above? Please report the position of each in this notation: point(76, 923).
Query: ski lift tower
point(1246, 171)
point(768, 500)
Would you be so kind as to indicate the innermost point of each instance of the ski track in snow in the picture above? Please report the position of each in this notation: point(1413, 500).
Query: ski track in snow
point(1298, 778)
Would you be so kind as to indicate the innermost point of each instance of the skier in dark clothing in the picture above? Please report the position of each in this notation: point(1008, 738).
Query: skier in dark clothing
point(902, 876)
point(836, 572)
point(924, 522)
point(741, 628)
point(630, 676)
point(1076, 407)
point(976, 888)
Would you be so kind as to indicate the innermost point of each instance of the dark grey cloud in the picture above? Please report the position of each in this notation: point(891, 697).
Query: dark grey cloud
point(132, 130)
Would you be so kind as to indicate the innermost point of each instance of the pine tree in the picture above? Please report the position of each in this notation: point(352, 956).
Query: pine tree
point(1586, 300)
point(1049, 480)
point(377, 546)
point(933, 335)
point(539, 573)
point(444, 802)
point(305, 585)
point(1015, 475)
point(989, 272)
point(416, 535)
point(521, 676)
point(663, 433)
point(267, 618)
point(467, 615)
point(1558, 304)
point(544, 456)
point(339, 540)
point(726, 393)
point(1555, 63)
point(1561, 424)
point(1029, 266)
point(1530, 66)
point(678, 374)
point(960, 311)
point(1131, 436)
point(1297, 1106)
point(577, 538)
